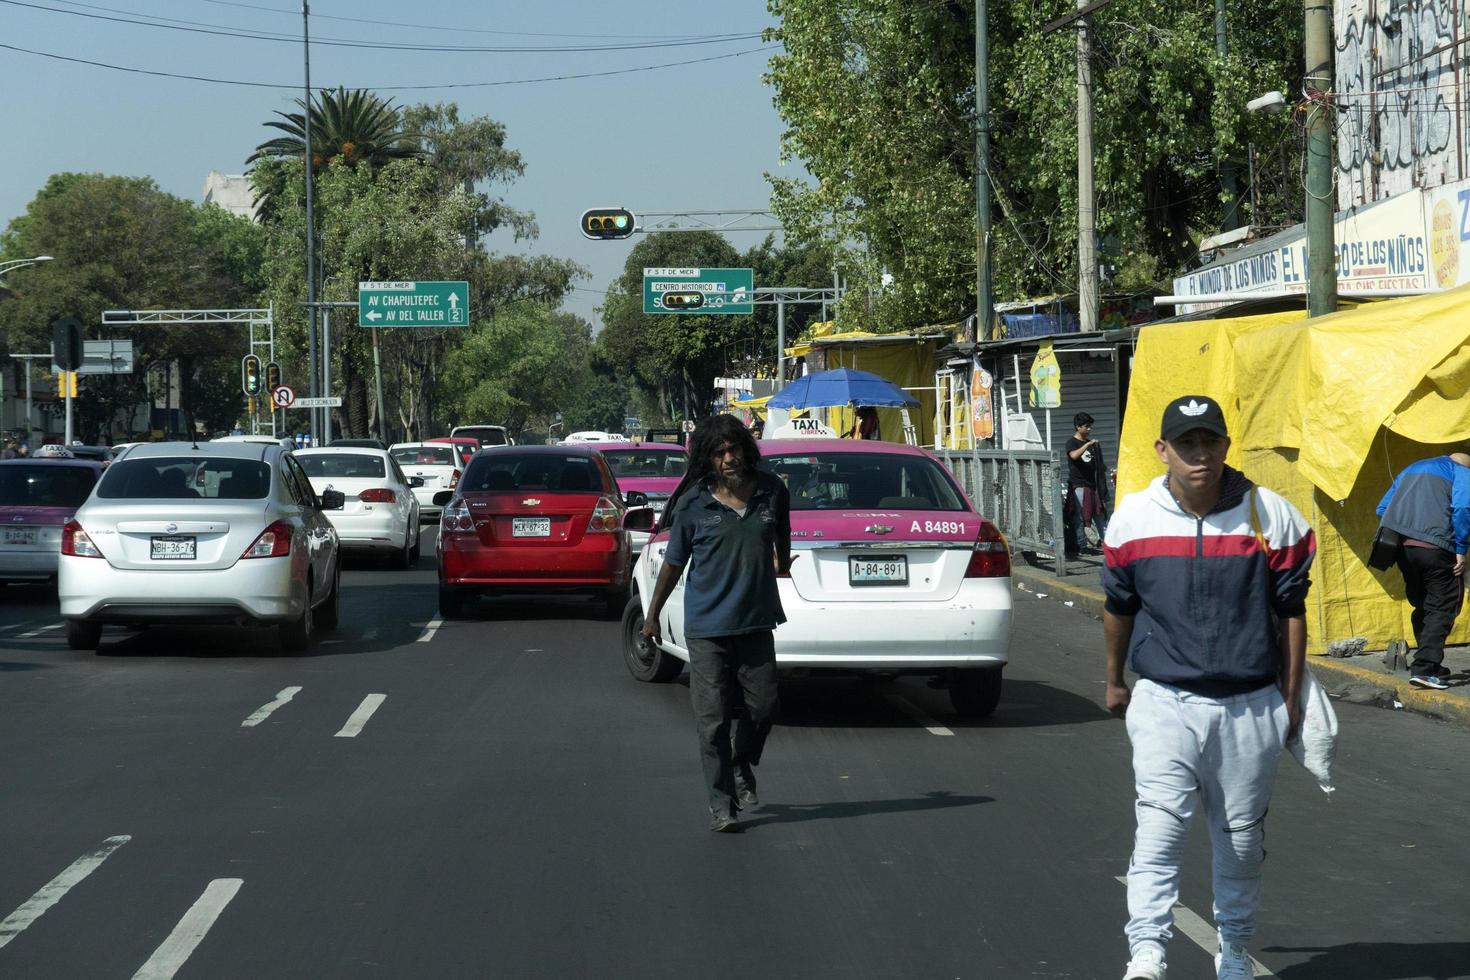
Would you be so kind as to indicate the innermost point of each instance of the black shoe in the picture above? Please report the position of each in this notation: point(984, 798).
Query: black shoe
point(725, 823)
point(745, 785)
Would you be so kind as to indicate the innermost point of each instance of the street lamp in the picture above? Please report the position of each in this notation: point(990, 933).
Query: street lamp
point(22, 263)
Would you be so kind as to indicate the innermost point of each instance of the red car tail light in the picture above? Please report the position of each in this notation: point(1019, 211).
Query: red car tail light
point(273, 542)
point(454, 479)
point(991, 557)
point(377, 495)
point(457, 517)
point(75, 542)
point(605, 517)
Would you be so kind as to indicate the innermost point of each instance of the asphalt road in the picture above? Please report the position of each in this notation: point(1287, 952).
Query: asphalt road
point(498, 798)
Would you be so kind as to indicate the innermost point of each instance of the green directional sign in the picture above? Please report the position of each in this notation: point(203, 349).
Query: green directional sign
point(698, 291)
point(413, 304)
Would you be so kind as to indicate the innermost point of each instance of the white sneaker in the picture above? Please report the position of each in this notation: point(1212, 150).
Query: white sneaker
point(1233, 962)
point(1147, 963)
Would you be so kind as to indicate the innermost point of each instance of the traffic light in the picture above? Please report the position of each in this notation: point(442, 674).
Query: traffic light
point(272, 376)
point(608, 224)
point(250, 375)
point(683, 301)
point(66, 343)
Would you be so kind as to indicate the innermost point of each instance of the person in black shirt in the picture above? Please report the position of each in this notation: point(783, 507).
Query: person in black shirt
point(1087, 487)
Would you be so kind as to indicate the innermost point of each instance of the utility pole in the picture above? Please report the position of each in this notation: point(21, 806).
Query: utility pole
point(1229, 172)
point(1087, 301)
point(984, 300)
point(1321, 251)
point(310, 220)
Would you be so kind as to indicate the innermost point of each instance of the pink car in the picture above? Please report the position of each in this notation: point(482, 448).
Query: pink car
point(647, 472)
point(897, 573)
point(37, 498)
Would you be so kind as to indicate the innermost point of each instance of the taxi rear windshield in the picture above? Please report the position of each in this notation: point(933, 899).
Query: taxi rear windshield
point(183, 478)
point(635, 463)
point(44, 485)
point(514, 472)
point(829, 481)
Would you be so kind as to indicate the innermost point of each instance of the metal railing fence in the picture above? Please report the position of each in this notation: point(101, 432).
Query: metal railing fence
point(1020, 492)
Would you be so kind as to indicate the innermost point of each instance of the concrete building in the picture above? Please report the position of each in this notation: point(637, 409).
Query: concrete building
point(231, 192)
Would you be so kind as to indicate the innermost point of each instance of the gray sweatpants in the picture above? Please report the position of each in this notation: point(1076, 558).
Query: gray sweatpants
point(1190, 750)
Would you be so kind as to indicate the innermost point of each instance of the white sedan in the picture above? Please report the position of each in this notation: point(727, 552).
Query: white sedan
point(433, 462)
point(896, 572)
point(380, 512)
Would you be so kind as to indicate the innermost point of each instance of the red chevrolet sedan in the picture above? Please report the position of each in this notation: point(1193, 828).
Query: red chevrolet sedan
point(534, 519)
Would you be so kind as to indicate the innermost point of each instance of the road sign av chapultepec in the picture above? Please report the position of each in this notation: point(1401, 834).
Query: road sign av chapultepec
point(413, 304)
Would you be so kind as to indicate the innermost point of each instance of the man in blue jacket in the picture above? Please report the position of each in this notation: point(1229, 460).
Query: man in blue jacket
point(1429, 506)
point(1206, 577)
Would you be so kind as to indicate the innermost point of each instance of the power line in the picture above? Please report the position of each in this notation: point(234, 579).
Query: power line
point(432, 27)
point(395, 88)
point(220, 30)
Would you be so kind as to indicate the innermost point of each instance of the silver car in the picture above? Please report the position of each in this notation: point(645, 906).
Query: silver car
point(182, 533)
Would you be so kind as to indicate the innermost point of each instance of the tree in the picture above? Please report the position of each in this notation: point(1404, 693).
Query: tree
point(121, 243)
point(878, 98)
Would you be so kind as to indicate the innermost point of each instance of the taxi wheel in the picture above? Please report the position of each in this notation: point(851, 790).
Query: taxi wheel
point(328, 614)
point(974, 693)
point(645, 661)
point(295, 636)
point(83, 636)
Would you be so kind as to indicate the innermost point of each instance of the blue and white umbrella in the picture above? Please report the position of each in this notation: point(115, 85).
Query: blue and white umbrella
point(842, 386)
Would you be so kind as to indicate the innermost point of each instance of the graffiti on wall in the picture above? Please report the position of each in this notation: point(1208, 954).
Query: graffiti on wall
point(1399, 84)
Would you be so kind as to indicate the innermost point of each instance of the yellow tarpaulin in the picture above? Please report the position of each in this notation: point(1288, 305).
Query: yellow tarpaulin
point(908, 364)
point(1325, 411)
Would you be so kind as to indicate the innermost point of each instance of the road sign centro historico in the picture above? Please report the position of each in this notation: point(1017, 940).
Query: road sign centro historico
point(698, 292)
point(423, 303)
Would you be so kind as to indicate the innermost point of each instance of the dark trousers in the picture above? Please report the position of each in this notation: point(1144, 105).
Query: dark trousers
point(1434, 591)
point(727, 674)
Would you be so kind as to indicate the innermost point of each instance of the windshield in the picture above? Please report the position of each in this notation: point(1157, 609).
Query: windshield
point(487, 435)
point(423, 455)
point(823, 481)
point(343, 466)
point(38, 485)
point(513, 472)
point(646, 463)
point(180, 477)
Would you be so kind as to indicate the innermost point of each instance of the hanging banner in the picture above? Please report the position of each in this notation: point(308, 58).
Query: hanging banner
point(1046, 378)
point(982, 419)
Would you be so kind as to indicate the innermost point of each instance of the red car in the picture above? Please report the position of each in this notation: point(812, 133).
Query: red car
point(534, 519)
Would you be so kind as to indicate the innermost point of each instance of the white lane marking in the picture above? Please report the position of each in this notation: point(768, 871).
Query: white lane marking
point(53, 890)
point(1202, 933)
point(9, 627)
point(264, 711)
point(430, 630)
point(361, 715)
point(37, 632)
point(173, 951)
point(931, 726)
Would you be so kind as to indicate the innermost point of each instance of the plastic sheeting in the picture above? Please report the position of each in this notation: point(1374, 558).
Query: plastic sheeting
point(908, 363)
point(1325, 412)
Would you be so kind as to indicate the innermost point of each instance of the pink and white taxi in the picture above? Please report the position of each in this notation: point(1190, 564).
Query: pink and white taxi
point(896, 573)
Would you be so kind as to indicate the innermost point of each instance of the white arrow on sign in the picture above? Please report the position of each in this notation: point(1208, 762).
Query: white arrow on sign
point(374, 315)
point(283, 396)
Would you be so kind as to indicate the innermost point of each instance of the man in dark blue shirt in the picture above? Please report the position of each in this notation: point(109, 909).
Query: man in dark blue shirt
point(732, 527)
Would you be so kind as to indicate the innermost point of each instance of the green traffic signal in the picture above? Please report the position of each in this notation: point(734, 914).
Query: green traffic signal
point(250, 375)
point(607, 224)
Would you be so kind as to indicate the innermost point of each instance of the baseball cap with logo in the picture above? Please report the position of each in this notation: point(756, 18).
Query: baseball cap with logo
point(1192, 412)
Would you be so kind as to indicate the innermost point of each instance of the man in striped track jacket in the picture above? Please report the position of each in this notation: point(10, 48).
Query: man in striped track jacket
point(1206, 577)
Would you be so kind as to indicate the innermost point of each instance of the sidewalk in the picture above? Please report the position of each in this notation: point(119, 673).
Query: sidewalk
point(1361, 680)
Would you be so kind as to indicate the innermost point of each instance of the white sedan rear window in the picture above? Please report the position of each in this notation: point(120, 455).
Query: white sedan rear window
point(343, 466)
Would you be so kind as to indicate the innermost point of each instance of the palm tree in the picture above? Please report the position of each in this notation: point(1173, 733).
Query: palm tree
point(356, 125)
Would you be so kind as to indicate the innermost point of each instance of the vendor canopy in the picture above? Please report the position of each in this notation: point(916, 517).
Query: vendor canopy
point(1326, 411)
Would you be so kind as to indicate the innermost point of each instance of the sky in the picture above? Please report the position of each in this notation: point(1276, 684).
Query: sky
point(696, 137)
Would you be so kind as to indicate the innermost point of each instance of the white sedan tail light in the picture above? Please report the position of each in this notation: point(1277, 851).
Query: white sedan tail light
point(991, 557)
point(273, 542)
point(75, 542)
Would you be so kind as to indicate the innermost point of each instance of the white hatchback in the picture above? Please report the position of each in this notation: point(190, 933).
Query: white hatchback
point(436, 463)
point(895, 573)
point(179, 533)
point(380, 513)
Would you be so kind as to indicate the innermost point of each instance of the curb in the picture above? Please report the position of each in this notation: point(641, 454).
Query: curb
point(1342, 679)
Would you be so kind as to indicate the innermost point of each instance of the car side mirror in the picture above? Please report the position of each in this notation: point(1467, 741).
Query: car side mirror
point(640, 519)
point(414, 482)
point(635, 498)
point(332, 500)
point(443, 497)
